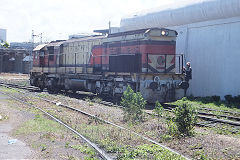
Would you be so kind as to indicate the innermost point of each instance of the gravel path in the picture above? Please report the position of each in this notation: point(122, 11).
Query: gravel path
point(18, 150)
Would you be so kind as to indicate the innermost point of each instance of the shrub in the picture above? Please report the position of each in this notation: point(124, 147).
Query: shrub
point(216, 98)
point(228, 98)
point(158, 110)
point(127, 97)
point(133, 104)
point(172, 128)
point(185, 118)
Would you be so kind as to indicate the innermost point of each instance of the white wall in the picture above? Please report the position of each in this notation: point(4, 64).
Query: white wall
point(208, 36)
point(213, 48)
point(3, 36)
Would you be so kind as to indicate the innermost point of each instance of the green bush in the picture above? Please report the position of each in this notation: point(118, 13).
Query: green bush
point(172, 128)
point(185, 118)
point(233, 101)
point(158, 110)
point(216, 98)
point(228, 98)
point(133, 104)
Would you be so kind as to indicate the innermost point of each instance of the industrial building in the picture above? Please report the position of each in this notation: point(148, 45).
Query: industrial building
point(208, 36)
point(14, 60)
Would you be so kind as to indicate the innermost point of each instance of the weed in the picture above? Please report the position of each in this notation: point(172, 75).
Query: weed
point(43, 147)
point(67, 144)
point(158, 111)
point(199, 154)
point(49, 135)
point(166, 137)
point(172, 127)
point(216, 98)
point(133, 104)
point(39, 124)
point(3, 117)
point(97, 100)
point(87, 99)
point(148, 151)
point(75, 137)
point(70, 157)
point(43, 95)
point(95, 119)
point(85, 149)
point(90, 104)
point(9, 90)
point(185, 118)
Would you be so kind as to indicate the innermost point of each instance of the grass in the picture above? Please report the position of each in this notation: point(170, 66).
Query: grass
point(3, 117)
point(87, 150)
point(96, 99)
point(227, 130)
point(206, 102)
point(43, 95)
point(149, 151)
point(124, 144)
point(39, 124)
point(8, 90)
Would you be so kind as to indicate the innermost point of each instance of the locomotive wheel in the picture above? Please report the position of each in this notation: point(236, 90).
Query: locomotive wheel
point(74, 91)
point(97, 91)
point(41, 88)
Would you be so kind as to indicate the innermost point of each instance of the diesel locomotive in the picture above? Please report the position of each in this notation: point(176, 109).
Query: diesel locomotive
point(144, 59)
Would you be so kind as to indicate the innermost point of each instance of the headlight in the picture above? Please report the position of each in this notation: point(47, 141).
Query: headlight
point(164, 33)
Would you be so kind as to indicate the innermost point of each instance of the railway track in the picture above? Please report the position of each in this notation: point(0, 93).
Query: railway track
point(94, 116)
point(202, 115)
point(211, 116)
point(100, 151)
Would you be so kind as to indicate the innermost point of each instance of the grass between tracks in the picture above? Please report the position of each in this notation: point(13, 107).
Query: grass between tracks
point(124, 144)
point(207, 102)
point(123, 150)
point(52, 131)
point(40, 124)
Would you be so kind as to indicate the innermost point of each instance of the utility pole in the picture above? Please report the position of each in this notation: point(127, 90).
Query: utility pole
point(109, 25)
point(31, 52)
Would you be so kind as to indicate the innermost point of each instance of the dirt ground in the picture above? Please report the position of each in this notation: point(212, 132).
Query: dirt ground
point(14, 76)
point(205, 143)
point(42, 145)
point(18, 150)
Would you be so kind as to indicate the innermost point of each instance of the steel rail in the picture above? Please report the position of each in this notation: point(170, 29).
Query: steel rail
point(101, 152)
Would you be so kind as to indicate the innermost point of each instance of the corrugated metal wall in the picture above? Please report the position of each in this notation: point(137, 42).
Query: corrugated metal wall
point(214, 52)
point(212, 46)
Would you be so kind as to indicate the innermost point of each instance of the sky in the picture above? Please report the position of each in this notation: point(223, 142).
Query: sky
point(56, 19)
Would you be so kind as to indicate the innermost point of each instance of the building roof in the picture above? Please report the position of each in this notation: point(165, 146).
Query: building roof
point(181, 13)
point(39, 47)
point(56, 43)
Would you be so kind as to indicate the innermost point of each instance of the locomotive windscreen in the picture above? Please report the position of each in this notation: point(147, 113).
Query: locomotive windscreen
point(125, 63)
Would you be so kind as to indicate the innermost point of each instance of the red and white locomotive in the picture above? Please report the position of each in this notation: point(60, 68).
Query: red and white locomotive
point(144, 59)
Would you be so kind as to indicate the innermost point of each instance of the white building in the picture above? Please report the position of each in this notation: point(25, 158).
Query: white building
point(3, 35)
point(208, 35)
